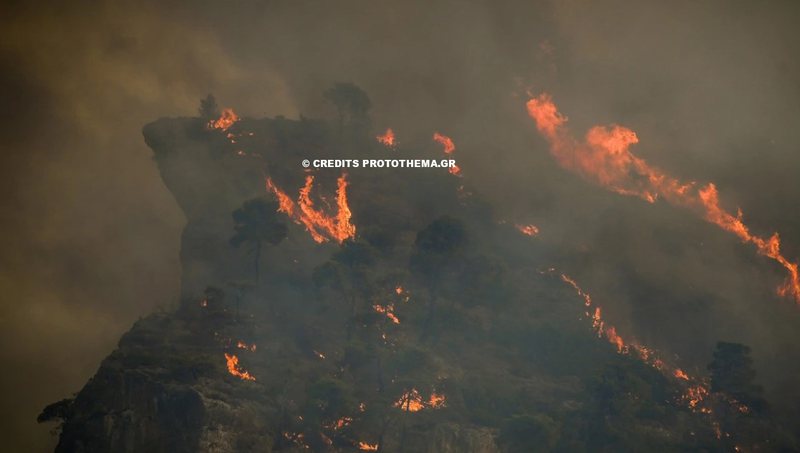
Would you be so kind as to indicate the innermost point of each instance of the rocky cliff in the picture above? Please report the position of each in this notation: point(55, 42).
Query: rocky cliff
point(435, 328)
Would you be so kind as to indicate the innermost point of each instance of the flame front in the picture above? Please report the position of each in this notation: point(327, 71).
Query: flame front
point(235, 369)
point(605, 159)
point(695, 390)
point(319, 225)
point(387, 139)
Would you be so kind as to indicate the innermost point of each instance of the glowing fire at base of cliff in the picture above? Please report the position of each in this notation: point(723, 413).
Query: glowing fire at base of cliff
point(235, 369)
point(604, 158)
point(320, 226)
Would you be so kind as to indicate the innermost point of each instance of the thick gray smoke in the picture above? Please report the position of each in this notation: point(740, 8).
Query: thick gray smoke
point(91, 234)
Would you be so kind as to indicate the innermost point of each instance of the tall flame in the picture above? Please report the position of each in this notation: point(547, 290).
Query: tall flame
point(319, 225)
point(604, 158)
point(235, 369)
point(387, 139)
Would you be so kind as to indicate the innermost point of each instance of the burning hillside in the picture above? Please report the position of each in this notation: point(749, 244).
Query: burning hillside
point(426, 327)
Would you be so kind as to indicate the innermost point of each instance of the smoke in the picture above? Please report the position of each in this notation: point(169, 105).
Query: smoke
point(91, 234)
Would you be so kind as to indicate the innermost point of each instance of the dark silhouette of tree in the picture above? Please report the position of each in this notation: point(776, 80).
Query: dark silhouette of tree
point(351, 102)
point(742, 412)
point(346, 272)
point(208, 108)
point(732, 373)
point(437, 249)
point(256, 223)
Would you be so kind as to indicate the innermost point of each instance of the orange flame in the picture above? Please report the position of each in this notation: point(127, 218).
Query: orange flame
point(320, 226)
point(367, 447)
point(387, 139)
point(225, 120)
point(455, 170)
point(696, 391)
point(235, 369)
point(398, 289)
point(412, 401)
point(387, 310)
point(680, 374)
point(445, 141)
point(604, 158)
point(437, 400)
point(528, 230)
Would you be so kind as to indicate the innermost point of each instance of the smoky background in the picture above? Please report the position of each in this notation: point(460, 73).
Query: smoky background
point(90, 234)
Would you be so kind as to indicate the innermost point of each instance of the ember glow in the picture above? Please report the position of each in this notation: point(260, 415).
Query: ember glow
point(235, 369)
point(249, 347)
point(321, 226)
point(445, 141)
point(604, 158)
point(225, 120)
point(387, 139)
point(367, 447)
point(455, 170)
point(528, 230)
point(388, 311)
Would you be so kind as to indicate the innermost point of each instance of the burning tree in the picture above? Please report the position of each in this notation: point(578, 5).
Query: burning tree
point(257, 222)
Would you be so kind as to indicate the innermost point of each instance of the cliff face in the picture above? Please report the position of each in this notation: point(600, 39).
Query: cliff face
point(434, 329)
point(167, 387)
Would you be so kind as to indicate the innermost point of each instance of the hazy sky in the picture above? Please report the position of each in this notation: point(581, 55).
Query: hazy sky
point(91, 234)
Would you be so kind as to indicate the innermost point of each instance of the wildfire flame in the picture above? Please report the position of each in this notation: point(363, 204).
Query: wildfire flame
point(225, 120)
point(604, 158)
point(367, 447)
point(412, 401)
point(235, 369)
point(528, 230)
point(320, 226)
point(387, 310)
point(445, 141)
point(387, 139)
point(696, 390)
